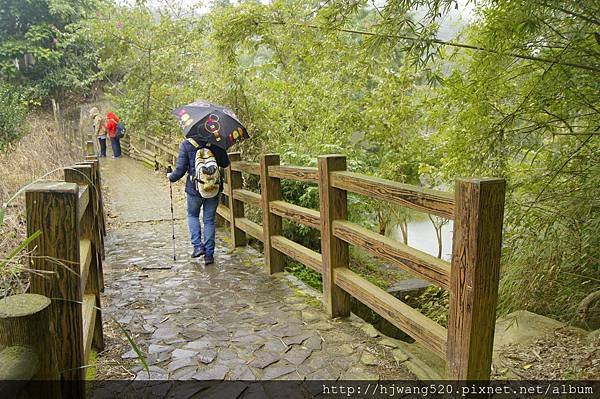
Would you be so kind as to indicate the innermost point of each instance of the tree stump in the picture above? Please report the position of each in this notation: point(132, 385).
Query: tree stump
point(25, 322)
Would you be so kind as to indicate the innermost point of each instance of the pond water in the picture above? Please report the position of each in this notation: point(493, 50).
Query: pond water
point(421, 235)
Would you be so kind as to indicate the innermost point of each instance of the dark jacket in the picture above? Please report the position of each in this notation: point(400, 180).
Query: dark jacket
point(186, 162)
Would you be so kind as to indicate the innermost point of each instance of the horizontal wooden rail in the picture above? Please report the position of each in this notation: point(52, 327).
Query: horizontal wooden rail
point(435, 202)
point(298, 252)
point(249, 227)
point(247, 196)
point(89, 317)
point(223, 211)
point(420, 327)
point(247, 167)
point(85, 259)
point(84, 200)
point(161, 146)
point(407, 258)
point(299, 214)
point(306, 174)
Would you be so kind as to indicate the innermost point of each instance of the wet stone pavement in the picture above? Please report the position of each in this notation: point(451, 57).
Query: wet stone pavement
point(228, 321)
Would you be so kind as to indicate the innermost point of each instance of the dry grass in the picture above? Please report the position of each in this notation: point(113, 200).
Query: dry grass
point(37, 153)
point(566, 353)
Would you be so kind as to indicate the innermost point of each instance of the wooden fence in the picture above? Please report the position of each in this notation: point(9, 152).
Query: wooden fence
point(477, 208)
point(47, 334)
point(472, 276)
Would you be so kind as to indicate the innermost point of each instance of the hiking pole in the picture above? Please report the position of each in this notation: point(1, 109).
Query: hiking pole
point(169, 170)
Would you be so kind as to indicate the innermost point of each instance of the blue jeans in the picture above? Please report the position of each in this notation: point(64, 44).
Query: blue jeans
point(115, 143)
point(194, 203)
point(102, 141)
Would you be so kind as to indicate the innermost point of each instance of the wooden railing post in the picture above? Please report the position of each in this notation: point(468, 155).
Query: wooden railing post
point(89, 148)
point(53, 209)
point(270, 189)
point(100, 212)
point(25, 322)
point(236, 207)
point(96, 198)
point(333, 204)
point(84, 175)
point(474, 277)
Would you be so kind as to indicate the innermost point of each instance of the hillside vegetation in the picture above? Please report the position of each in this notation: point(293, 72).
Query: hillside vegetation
point(514, 95)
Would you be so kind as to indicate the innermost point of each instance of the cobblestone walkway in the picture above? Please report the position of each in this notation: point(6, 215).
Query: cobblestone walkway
point(226, 321)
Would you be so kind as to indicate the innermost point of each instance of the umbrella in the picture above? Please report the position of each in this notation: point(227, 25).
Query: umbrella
point(211, 123)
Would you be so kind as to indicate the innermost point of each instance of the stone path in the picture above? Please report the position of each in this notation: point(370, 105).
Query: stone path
point(226, 321)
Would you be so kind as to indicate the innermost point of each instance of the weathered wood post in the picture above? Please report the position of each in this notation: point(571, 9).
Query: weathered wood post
point(95, 199)
point(236, 207)
point(100, 197)
point(83, 175)
point(474, 277)
point(333, 205)
point(89, 148)
point(52, 208)
point(270, 190)
point(25, 323)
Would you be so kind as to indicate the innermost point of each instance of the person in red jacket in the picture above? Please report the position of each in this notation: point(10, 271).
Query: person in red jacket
point(111, 128)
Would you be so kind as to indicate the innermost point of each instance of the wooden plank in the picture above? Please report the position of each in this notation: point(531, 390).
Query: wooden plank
point(298, 252)
point(474, 278)
point(85, 259)
point(84, 200)
point(422, 199)
point(333, 206)
point(306, 174)
point(93, 279)
point(247, 167)
point(270, 189)
point(163, 147)
point(409, 259)
point(226, 189)
point(411, 321)
point(234, 178)
point(299, 214)
point(89, 317)
point(51, 208)
point(223, 211)
point(251, 228)
point(248, 197)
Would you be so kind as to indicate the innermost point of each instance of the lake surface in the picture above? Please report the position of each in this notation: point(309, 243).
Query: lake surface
point(421, 235)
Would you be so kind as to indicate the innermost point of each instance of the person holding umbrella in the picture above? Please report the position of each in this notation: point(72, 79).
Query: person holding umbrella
point(209, 130)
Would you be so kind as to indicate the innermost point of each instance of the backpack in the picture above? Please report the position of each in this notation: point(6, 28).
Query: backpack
point(207, 179)
point(120, 131)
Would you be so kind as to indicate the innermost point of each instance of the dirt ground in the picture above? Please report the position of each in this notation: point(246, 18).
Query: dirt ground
point(566, 353)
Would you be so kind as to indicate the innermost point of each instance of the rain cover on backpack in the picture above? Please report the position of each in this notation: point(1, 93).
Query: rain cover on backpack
point(207, 178)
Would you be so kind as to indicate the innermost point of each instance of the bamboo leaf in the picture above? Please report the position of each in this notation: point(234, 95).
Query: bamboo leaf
point(20, 248)
point(137, 350)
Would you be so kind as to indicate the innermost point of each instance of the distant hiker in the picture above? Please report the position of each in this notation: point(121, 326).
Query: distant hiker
point(99, 129)
point(111, 127)
point(203, 187)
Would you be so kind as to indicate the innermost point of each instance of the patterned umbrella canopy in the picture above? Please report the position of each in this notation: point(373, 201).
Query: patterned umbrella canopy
point(211, 123)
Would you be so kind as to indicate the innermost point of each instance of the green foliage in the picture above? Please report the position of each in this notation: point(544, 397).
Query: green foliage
point(305, 274)
point(514, 96)
point(12, 114)
point(41, 48)
point(433, 303)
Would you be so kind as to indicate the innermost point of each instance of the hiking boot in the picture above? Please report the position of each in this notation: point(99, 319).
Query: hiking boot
point(208, 260)
point(197, 252)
